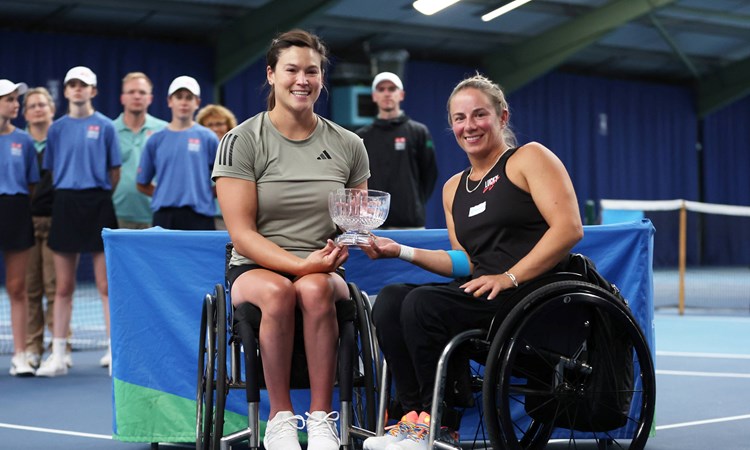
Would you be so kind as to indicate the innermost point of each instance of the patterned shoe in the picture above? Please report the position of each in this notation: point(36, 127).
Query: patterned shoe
point(322, 433)
point(419, 437)
point(395, 433)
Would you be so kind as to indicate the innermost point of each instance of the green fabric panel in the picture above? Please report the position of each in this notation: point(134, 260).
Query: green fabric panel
point(149, 415)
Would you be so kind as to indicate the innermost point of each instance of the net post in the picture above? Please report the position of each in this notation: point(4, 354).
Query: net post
point(682, 255)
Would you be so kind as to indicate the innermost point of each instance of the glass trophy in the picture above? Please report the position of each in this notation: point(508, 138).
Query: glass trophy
point(357, 211)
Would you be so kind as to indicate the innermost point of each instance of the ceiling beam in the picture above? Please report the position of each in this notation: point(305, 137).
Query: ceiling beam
point(520, 64)
point(247, 38)
point(723, 87)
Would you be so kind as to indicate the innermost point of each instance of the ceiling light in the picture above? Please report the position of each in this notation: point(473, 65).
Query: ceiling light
point(430, 7)
point(504, 9)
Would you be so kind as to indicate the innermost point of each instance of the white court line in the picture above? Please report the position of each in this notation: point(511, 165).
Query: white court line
point(703, 374)
point(702, 422)
point(73, 433)
point(704, 355)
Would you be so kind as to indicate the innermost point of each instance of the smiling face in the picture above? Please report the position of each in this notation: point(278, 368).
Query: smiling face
point(297, 78)
point(475, 123)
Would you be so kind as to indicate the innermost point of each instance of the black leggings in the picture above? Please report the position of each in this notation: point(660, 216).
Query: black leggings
point(415, 322)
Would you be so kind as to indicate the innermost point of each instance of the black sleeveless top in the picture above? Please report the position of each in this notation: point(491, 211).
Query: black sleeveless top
point(497, 223)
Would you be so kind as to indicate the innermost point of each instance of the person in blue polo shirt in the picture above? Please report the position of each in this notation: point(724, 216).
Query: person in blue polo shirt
point(18, 173)
point(181, 158)
point(83, 154)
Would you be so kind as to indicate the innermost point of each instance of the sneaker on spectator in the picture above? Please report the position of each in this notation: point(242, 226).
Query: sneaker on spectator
point(281, 431)
point(19, 366)
point(52, 367)
point(106, 360)
point(68, 360)
point(33, 359)
point(394, 433)
point(419, 436)
point(322, 433)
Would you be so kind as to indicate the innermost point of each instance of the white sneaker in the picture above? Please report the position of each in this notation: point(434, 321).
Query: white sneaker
point(33, 359)
point(281, 431)
point(395, 433)
point(19, 366)
point(52, 367)
point(106, 360)
point(322, 433)
point(68, 360)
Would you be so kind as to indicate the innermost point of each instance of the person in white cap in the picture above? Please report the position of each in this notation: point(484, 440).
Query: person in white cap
point(20, 173)
point(181, 157)
point(83, 154)
point(401, 153)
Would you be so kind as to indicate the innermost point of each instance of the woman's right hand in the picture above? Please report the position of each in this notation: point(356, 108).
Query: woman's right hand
point(381, 247)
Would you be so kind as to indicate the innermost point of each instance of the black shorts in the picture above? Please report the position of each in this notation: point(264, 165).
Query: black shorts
point(16, 227)
point(182, 218)
point(234, 272)
point(78, 218)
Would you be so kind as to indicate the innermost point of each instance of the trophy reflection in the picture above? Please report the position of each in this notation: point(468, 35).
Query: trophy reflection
point(357, 211)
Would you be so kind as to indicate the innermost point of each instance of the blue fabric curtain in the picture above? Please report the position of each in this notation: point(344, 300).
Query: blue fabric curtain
point(41, 59)
point(726, 165)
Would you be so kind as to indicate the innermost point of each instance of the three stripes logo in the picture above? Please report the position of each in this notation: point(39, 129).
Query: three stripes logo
point(323, 155)
point(226, 148)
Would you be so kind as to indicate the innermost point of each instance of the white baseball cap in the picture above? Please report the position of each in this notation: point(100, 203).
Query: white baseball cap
point(184, 82)
point(7, 87)
point(81, 73)
point(387, 76)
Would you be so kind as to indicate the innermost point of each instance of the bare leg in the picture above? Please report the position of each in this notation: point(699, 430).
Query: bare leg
point(15, 283)
point(316, 296)
point(275, 297)
point(100, 275)
point(65, 270)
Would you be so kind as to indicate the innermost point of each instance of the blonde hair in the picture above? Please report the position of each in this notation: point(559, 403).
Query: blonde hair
point(135, 75)
point(40, 91)
point(495, 95)
point(216, 110)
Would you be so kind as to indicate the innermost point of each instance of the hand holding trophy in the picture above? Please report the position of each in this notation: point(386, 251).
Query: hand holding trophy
point(357, 211)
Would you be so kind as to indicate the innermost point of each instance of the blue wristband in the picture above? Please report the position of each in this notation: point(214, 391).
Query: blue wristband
point(460, 263)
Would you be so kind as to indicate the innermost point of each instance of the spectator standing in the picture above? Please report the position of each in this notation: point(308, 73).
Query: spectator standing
point(219, 120)
point(83, 154)
point(401, 153)
point(39, 112)
point(181, 157)
point(18, 174)
point(134, 126)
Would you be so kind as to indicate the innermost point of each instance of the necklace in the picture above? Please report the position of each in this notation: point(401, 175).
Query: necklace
point(485, 174)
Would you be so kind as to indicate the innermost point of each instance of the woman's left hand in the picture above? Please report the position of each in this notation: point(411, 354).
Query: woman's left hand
point(487, 284)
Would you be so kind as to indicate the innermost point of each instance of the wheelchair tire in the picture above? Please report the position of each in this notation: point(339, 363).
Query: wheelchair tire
point(538, 387)
point(221, 365)
point(365, 396)
point(205, 385)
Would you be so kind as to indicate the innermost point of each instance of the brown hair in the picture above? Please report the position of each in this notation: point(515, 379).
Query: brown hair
point(216, 110)
point(496, 96)
point(293, 38)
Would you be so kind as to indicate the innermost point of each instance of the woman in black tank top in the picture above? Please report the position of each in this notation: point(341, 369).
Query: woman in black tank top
point(511, 217)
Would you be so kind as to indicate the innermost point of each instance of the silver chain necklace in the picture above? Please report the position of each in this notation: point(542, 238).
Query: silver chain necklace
point(485, 174)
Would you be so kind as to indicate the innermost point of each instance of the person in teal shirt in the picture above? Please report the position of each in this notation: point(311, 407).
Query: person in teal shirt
point(134, 126)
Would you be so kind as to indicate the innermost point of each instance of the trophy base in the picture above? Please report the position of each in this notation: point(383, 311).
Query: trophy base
point(354, 238)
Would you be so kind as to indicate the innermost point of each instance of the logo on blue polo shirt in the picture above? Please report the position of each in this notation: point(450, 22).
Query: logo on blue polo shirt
point(194, 145)
point(16, 149)
point(92, 132)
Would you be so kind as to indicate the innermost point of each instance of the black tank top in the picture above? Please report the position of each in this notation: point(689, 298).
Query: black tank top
point(497, 223)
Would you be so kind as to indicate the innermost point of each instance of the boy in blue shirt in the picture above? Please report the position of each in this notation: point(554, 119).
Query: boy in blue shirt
point(181, 158)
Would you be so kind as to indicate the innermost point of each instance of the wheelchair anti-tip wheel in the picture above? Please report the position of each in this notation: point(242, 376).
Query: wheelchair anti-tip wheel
point(212, 372)
point(569, 362)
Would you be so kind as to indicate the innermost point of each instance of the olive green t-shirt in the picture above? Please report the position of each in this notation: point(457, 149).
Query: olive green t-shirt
point(293, 178)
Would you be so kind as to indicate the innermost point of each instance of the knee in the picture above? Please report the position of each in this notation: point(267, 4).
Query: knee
point(315, 298)
point(16, 289)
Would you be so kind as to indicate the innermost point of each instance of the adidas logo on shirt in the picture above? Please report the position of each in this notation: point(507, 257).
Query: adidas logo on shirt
point(324, 155)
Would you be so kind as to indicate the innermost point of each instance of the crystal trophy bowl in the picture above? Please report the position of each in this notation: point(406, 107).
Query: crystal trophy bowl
point(357, 211)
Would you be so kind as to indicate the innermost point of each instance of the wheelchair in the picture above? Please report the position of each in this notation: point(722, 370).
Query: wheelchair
point(565, 363)
point(227, 333)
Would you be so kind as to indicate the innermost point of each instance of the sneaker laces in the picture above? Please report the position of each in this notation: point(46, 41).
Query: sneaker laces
point(323, 426)
point(404, 426)
point(285, 427)
point(418, 432)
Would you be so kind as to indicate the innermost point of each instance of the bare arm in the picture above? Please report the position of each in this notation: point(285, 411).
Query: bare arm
point(114, 177)
point(147, 189)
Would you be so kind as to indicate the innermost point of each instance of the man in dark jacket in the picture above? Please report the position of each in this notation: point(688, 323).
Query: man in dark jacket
point(401, 153)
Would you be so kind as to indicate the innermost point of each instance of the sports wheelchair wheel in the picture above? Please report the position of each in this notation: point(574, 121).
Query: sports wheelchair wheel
point(366, 369)
point(569, 362)
point(212, 372)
